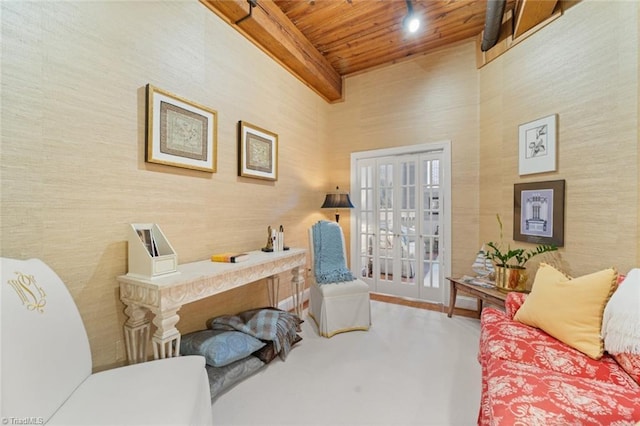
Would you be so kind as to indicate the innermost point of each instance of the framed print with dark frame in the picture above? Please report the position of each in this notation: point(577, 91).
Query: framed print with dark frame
point(538, 212)
point(180, 133)
point(257, 153)
point(537, 145)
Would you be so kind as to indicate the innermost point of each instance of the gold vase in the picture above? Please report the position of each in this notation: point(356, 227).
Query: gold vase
point(511, 278)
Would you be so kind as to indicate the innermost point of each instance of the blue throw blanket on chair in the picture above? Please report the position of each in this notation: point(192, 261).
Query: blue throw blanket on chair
point(330, 266)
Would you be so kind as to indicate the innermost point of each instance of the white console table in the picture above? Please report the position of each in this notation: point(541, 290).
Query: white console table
point(165, 295)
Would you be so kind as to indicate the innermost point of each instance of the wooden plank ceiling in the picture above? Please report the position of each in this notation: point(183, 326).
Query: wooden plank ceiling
point(321, 41)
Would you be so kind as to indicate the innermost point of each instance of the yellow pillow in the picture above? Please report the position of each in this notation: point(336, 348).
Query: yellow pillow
point(569, 309)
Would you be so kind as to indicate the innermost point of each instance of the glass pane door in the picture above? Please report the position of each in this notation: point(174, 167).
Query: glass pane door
point(399, 225)
point(385, 241)
point(431, 225)
point(394, 266)
point(366, 226)
point(405, 234)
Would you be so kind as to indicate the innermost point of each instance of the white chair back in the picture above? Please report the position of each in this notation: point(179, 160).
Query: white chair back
point(45, 350)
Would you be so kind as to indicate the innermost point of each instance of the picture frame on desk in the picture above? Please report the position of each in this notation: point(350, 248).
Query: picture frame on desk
point(257, 152)
point(180, 133)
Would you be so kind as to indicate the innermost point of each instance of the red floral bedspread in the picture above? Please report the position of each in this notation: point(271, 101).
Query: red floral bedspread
point(530, 378)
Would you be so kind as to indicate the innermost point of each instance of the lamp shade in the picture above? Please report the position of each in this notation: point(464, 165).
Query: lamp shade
point(337, 201)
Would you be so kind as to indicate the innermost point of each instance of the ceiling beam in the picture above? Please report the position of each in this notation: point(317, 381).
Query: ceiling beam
point(530, 13)
point(271, 30)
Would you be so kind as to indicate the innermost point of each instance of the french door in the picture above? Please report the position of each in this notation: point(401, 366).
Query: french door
point(399, 222)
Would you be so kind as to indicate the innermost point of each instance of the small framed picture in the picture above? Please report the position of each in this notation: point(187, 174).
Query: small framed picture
point(257, 153)
point(537, 145)
point(538, 212)
point(180, 133)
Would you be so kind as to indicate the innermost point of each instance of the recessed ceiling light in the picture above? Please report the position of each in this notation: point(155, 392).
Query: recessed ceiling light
point(413, 25)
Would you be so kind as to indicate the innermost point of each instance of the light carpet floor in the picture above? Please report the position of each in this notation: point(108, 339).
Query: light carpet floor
point(413, 367)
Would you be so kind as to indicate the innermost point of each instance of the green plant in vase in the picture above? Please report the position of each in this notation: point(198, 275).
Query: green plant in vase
point(511, 273)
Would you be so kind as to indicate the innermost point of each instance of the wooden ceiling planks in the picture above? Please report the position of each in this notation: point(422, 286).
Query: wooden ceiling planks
point(371, 31)
point(321, 41)
point(389, 44)
point(365, 33)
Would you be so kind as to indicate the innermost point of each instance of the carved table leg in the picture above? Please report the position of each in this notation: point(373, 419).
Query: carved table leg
point(297, 287)
point(166, 339)
point(273, 285)
point(136, 333)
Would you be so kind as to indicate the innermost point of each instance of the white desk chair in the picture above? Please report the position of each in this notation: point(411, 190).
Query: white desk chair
point(340, 306)
point(46, 364)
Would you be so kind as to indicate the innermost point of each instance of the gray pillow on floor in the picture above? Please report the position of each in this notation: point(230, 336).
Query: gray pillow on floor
point(219, 347)
point(222, 378)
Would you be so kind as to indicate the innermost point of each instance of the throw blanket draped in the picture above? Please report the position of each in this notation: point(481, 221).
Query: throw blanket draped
point(621, 321)
point(330, 266)
point(264, 324)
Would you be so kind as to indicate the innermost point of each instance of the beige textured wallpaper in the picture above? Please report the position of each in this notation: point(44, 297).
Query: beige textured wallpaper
point(429, 99)
point(73, 170)
point(583, 67)
point(73, 175)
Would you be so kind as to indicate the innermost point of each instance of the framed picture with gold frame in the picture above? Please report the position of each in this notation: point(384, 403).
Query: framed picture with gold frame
point(257, 153)
point(180, 133)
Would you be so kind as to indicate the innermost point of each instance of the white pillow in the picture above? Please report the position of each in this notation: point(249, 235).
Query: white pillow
point(621, 321)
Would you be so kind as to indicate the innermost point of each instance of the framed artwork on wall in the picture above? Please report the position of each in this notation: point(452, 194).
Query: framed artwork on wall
point(538, 212)
point(257, 153)
point(537, 145)
point(180, 133)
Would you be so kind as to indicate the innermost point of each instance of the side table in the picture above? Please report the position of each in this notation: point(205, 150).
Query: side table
point(483, 294)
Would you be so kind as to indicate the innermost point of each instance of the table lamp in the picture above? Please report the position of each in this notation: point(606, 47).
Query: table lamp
point(337, 200)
